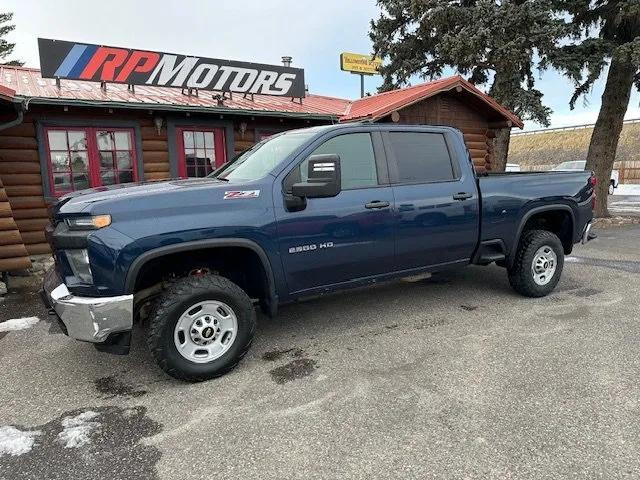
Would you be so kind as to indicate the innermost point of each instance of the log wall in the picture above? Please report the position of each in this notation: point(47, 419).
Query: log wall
point(20, 173)
point(13, 254)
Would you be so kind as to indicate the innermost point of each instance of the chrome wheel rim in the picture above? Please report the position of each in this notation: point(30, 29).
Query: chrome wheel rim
point(205, 331)
point(544, 265)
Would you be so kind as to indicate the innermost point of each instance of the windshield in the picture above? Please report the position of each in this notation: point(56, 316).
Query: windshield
point(257, 162)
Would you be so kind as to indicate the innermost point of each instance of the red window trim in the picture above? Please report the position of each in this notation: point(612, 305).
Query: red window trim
point(93, 153)
point(219, 144)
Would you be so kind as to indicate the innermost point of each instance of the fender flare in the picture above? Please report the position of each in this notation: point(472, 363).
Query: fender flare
point(534, 211)
point(140, 261)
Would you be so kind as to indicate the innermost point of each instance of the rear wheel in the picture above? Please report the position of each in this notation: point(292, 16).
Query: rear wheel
point(538, 264)
point(201, 327)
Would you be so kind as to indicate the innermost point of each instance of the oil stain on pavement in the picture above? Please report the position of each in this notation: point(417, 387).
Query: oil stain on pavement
point(298, 368)
point(585, 292)
point(112, 386)
point(273, 355)
point(85, 444)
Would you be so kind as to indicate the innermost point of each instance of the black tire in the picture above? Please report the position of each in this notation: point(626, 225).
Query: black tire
point(175, 300)
point(521, 276)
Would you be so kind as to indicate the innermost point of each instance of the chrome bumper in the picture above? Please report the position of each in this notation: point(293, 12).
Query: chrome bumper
point(90, 319)
point(586, 235)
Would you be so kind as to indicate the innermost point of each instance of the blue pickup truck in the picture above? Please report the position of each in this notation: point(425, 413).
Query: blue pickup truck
point(300, 214)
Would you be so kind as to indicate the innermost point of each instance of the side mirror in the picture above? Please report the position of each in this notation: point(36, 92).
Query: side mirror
point(323, 178)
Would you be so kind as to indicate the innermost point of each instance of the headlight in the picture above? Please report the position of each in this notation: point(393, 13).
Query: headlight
point(88, 223)
point(79, 262)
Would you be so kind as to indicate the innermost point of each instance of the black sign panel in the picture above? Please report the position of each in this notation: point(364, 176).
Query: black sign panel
point(82, 61)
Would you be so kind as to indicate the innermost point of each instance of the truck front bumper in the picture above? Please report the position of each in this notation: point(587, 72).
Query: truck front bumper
point(89, 319)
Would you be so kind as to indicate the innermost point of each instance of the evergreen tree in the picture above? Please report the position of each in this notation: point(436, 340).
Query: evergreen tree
point(604, 34)
point(500, 43)
point(6, 48)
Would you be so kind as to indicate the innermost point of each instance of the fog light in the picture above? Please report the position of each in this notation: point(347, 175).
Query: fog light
point(79, 263)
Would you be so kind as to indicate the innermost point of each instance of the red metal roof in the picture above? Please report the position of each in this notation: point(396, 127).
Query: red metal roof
point(7, 93)
point(378, 106)
point(28, 83)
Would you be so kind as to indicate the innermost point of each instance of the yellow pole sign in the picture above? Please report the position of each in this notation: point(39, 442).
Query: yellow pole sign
point(358, 63)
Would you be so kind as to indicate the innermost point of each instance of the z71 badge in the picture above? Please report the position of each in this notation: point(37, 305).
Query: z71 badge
point(239, 194)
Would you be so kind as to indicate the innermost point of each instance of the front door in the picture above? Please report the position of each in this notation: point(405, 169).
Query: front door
point(200, 151)
point(346, 237)
point(436, 204)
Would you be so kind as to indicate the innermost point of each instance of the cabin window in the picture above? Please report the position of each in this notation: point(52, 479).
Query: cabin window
point(80, 158)
point(201, 151)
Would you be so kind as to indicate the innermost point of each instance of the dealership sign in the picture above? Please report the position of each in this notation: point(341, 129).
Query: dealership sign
point(83, 61)
point(358, 63)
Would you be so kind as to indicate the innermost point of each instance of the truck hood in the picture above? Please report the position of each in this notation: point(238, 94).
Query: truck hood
point(85, 200)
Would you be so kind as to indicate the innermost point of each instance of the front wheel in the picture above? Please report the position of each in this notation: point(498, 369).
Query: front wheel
point(201, 327)
point(538, 264)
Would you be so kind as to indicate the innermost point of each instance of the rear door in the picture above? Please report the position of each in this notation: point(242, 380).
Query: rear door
point(346, 237)
point(436, 201)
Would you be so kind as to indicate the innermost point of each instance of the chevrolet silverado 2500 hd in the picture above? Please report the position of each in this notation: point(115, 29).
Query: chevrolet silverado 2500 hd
point(300, 214)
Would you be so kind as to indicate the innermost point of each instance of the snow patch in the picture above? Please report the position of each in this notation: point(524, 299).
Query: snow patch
point(16, 442)
point(627, 189)
point(18, 324)
point(77, 430)
point(571, 260)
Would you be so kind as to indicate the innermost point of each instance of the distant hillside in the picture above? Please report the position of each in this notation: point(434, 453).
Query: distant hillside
point(542, 151)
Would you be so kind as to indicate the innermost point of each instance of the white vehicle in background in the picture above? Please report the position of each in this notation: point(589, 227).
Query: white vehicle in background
point(580, 165)
point(512, 167)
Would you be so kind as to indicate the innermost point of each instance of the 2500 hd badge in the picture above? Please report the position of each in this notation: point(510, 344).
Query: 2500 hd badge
point(309, 248)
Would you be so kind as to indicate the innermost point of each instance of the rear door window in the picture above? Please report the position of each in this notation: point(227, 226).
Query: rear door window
point(420, 158)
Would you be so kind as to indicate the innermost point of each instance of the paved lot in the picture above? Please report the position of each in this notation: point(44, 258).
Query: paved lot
point(455, 377)
point(626, 200)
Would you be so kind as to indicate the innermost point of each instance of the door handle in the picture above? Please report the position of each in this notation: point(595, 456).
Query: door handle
point(377, 204)
point(462, 196)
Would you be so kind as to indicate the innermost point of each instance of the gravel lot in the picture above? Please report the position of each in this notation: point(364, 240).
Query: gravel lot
point(452, 377)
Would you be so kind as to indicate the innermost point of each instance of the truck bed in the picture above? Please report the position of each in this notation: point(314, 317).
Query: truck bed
point(507, 198)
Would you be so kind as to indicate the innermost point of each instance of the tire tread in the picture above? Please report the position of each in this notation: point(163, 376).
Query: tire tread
point(175, 293)
point(519, 277)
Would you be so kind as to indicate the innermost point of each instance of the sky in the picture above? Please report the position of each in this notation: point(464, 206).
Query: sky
point(313, 32)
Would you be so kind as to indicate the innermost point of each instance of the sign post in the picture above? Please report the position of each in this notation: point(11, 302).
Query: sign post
point(359, 64)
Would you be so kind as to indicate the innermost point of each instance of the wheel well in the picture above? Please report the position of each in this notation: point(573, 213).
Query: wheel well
point(559, 222)
point(241, 265)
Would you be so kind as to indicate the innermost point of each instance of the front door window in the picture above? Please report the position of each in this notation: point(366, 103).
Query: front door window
point(201, 151)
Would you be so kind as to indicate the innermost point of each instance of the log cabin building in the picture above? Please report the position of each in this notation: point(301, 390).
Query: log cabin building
point(56, 137)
